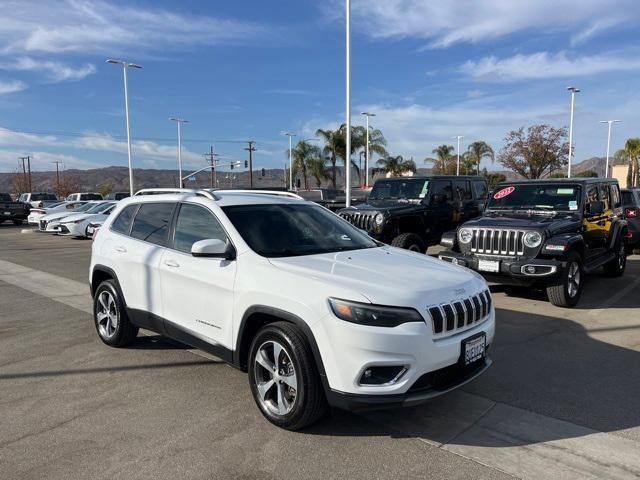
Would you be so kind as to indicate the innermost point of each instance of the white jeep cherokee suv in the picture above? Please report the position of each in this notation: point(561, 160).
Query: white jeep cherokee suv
point(315, 311)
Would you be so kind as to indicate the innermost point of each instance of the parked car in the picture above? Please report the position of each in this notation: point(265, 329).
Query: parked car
point(631, 205)
point(283, 289)
point(37, 213)
point(16, 212)
point(414, 212)
point(93, 228)
point(332, 199)
point(546, 233)
point(37, 199)
point(86, 196)
point(117, 196)
point(50, 222)
point(75, 225)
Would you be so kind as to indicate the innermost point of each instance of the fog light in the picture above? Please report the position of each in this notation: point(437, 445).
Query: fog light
point(530, 269)
point(454, 261)
point(382, 375)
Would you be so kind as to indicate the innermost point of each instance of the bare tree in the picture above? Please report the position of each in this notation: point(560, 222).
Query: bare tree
point(536, 153)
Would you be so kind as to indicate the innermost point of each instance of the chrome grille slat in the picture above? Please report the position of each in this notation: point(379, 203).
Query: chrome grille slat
point(458, 315)
point(497, 241)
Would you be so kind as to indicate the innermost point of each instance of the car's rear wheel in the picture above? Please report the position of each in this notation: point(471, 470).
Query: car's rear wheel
point(17, 222)
point(617, 266)
point(284, 378)
point(110, 316)
point(409, 241)
point(566, 288)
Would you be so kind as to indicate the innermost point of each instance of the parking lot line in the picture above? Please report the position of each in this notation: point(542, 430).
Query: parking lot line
point(494, 434)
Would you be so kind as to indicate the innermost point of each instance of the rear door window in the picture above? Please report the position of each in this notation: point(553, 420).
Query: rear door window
point(482, 191)
point(151, 223)
point(604, 195)
point(463, 187)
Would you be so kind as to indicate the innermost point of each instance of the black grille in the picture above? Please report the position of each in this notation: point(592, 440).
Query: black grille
point(451, 317)
point(364, 221)
point(447, 377)
point(497, 241)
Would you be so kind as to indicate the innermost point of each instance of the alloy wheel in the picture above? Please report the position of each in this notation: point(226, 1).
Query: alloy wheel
point(573, 279)
point(275, 378)
point(622, 256)
point(107, 315)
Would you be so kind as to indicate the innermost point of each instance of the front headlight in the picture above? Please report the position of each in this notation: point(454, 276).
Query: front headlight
point(532, 239)
point(373, 315)
point(465, 235)
point(379, 219)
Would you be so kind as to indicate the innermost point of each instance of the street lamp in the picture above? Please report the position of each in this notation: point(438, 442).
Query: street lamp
point(458, 137)
point(348, 105)
point(289, 134)
point(126, 66)
point(366, 160)
point(610, 122)
point(573, 91)
point(179, 122)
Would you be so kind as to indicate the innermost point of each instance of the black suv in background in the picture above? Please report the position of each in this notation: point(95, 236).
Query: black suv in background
point(17, 212)
point(414, 212)
point(631, 205)
point(547, 233)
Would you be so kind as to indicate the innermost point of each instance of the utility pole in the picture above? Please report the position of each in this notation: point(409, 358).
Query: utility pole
point(27, 172)
point(24, 172)
point(250, 149)
point(211, 157)
point(57, 162)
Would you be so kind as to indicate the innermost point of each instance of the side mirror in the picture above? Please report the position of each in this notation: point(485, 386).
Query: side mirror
point(438, 199)
point(595, 208)
point(213, 248)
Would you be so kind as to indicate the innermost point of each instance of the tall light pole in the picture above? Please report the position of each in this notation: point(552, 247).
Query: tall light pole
point(179, 122)
point(366, 160)
point(289, 134)
point(458, 137)
point(125, 67)
point(573, 91)
point(610, 122)
point(347, 150)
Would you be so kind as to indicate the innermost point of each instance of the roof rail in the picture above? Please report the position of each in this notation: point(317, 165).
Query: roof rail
point(278, 193)
point(160, 191)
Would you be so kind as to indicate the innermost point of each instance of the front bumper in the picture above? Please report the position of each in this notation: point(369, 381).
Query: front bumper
point(526, 270)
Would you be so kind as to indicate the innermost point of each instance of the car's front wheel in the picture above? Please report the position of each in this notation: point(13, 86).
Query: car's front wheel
point(283, 377)
point(566, 288)
point(409, 241)
point(110, 317)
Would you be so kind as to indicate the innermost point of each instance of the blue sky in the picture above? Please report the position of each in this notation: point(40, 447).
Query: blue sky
point(254, 69)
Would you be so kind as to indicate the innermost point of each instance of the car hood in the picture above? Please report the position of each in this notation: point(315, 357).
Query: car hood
point(56, 216)
point(385, 206)
point(82, 216)
point(386, 276)
point(534, 222)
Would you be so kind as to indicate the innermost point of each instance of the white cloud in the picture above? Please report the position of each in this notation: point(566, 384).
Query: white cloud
point(103, 27)
point(12, 86)
point(55, 71)
point(43, 160)
point(444, 23)
point(545, 65)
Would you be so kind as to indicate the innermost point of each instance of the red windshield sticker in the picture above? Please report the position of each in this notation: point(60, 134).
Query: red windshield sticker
point(503, 193)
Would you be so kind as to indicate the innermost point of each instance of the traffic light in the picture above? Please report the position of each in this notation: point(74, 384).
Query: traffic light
point(263, 172)
point(232, 166)
point(246, 164)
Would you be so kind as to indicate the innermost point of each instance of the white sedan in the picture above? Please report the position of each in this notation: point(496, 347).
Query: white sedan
point(37, 213)
point(76, 225)
point(47, 222)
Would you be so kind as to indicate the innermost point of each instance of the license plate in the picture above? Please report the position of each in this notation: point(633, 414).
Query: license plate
point(489, 266)
point(473, 349)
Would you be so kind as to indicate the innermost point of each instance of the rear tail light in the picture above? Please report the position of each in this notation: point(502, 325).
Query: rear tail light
point(631, 212)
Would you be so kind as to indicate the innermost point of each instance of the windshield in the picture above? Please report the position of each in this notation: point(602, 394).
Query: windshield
point(410, 188)
point(85, 207)
point(535, 197)
point(100, 208)
point(5, 197)
point(287, 230)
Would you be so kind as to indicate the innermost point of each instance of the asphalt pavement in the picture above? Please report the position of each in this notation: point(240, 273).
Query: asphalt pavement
point(562, 399)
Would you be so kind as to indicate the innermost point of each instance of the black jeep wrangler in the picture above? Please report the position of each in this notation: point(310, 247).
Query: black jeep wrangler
point(414, 212)
point(546, 233)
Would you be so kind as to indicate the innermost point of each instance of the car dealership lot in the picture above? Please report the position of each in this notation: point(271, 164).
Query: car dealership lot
point(562, 398)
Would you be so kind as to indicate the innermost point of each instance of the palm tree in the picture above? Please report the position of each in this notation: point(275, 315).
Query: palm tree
point(316, 169)
point(443, 160)
point(333, 146)
point(377, 142)
point(396, 166)
point(303, 154)
point(477, 151)
point(632, 147)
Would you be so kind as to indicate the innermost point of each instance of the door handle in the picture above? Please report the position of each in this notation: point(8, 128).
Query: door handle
point(120, 249)
point(171, 263)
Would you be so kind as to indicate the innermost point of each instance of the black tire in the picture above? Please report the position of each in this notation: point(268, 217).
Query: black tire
point(564, 290)
point(17, 222)
point(409, 241)
point(617, 266)
point(309, 404)
point(124, 332)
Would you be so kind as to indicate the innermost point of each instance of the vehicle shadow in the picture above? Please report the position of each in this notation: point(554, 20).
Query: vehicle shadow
point(157, 342)
point(550, 380)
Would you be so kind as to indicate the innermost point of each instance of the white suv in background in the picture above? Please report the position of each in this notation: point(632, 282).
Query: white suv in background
point(312, 308)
